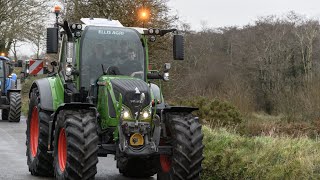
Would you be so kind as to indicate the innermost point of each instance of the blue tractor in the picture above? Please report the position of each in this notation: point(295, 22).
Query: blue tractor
point(10, 101)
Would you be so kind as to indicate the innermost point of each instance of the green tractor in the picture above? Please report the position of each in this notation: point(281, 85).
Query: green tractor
point(98, 104)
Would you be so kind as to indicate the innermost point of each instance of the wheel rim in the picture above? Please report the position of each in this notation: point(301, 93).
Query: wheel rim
point(34, 131)
point(165, 162)
point(62, 150)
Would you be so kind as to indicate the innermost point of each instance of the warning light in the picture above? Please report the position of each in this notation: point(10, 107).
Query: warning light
point(3, 54)
point(57, 9)
point(144, 14)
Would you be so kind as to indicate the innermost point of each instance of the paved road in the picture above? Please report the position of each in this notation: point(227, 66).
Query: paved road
point(13, 161)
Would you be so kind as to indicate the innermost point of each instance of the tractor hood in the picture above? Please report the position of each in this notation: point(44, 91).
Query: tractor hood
point(131, 89)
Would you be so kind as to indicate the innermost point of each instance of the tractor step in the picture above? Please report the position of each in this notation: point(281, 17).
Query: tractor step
point(166, 150)
point(105, 149)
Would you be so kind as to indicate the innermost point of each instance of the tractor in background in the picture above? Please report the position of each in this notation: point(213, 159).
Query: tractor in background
point(102, 101)
point(10, 100)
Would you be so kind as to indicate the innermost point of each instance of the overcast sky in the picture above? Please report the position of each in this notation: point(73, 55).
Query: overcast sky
point(219, 13)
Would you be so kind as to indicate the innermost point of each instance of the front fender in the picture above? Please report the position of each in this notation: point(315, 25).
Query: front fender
point(44, 88)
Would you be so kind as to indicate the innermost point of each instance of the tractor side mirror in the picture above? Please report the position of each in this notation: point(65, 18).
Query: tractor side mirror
point(178, 47)
point(10, 70)
point(52, 40)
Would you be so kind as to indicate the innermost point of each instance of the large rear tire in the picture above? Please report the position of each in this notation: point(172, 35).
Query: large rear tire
point(186, 141)
point(138, 167)
point(39, 161)
point(15, 107)
point(75, 145)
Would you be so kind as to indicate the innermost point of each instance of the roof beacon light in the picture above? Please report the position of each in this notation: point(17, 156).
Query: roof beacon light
point(57, 9)
point(144, 14)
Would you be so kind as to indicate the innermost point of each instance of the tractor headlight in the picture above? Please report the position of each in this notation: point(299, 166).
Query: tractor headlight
point(79, 27)
point(68, 71)
point(145, 115)
point(166, 76)
point(125, 113)
point(157, 31)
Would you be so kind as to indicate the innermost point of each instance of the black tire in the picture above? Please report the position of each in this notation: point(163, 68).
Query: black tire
point(15, 107)
point(80, 148)
point(39, 164)
point(4, 114)
point(186, 139)
point(138, 167)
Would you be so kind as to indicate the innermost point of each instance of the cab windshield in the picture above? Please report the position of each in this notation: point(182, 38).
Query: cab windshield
point(119, 49)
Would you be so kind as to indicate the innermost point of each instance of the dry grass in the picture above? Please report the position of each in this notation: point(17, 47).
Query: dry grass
point(25, 93)
point(229, 155)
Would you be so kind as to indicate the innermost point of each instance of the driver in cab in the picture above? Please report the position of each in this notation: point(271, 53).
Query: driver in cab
point(132, 63)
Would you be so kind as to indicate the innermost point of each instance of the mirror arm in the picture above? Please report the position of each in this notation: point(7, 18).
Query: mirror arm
point(154, 76)
point(67, 29)
point(166, 31)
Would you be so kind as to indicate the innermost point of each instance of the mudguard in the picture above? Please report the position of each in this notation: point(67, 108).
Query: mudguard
point(179, 109)
point(46, 101)
point(164, 108)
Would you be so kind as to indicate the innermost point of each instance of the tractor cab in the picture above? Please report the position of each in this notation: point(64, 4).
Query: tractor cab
point(7, 78)
point(116, 48)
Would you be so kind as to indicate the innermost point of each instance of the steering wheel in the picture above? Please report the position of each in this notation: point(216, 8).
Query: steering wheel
point(112, 70)
point(136, 73)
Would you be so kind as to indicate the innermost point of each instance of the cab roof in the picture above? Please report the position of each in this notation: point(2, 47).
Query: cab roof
point(3, 58)
point(107, 23)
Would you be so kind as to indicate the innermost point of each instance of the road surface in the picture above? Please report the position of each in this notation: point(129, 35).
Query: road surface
point(13, 161)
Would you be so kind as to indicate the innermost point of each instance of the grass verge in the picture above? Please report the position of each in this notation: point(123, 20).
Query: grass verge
point(232, 156)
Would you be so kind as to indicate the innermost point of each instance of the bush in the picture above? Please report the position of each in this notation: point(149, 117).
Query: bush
point(215, 112)
point(231, 156)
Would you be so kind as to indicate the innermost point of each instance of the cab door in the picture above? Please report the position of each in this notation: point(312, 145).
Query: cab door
point(2, 76)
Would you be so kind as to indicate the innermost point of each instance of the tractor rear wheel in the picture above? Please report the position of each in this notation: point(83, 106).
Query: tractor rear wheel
point(39, 161)
point(15, 107)
point(4, 114)
point(75, 145)
point(138, 167)
point(187, 148)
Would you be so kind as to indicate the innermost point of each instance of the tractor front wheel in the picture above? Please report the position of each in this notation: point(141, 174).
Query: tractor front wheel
point(15, 107)
point(39, 161)
point(186, 141)
point(75, 145)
